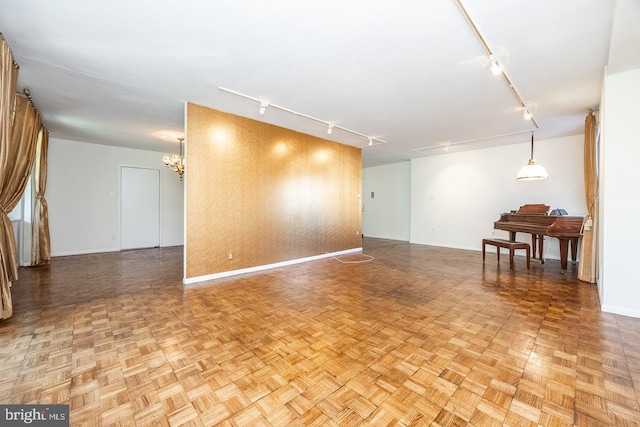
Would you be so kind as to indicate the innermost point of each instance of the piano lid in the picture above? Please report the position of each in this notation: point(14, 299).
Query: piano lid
point(541, 224)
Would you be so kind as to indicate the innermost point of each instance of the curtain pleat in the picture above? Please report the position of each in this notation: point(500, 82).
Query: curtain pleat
point(588, 267)
point(41, 243)
point(15, 175)
point(8, 268)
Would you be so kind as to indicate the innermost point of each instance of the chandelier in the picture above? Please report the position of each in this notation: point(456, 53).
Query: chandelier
point(175, 162)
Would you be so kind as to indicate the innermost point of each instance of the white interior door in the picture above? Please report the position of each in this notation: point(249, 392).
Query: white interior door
point(140, 208)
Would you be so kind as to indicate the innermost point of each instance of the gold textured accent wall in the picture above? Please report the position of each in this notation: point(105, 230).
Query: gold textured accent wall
point(265, 194)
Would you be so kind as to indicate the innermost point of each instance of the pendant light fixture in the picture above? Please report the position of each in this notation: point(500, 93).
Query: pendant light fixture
point(531, 171)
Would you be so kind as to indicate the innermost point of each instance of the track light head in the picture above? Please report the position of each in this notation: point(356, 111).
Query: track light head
point(526, 114)
point(496, 69)
point(370, 141)
point(263, 107)
point(330, 128)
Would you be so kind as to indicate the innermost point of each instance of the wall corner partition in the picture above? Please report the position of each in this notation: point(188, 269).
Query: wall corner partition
point(260, 196)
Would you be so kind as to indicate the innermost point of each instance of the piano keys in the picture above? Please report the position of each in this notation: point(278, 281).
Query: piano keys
point(533, 219)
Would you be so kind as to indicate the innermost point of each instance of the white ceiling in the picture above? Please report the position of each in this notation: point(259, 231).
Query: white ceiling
point(410, 72)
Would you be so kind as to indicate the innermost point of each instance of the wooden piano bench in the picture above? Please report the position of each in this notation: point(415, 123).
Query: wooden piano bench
point(512, 246)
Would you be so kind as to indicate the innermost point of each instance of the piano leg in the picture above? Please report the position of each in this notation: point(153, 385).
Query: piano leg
point(564, 249)
point(534, 245)
point(541, 246)
point(574, 250)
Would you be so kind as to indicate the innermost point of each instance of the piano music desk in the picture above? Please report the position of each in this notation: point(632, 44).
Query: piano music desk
point(508, 244)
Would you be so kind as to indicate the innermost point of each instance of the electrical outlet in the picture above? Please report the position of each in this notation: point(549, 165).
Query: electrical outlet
point(230, 255)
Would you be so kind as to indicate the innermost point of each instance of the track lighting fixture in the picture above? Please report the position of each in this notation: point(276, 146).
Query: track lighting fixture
point(448, 144)
point(526, 114)
point(496, 69)
point(330, 126)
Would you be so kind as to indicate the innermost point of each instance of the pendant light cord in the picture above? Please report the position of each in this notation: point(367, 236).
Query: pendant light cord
point(532, 145)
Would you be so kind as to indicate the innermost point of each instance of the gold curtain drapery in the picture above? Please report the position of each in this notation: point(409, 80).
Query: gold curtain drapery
point(8, 83)
point(41, 243)
point(21, 152)
point(588, 269)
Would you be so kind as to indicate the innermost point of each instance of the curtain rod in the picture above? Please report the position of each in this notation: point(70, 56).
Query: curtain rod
point(27, 92)
point(13, 60)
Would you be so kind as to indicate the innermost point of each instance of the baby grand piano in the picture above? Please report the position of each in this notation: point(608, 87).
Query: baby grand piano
point(535, 220)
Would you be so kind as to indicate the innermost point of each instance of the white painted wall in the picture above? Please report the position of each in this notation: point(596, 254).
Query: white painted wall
point(21, 217)
point(83, 183)
point(387, 214)
point(17, 217)
point(619, 194)
point(26, 233)
point(456, 197)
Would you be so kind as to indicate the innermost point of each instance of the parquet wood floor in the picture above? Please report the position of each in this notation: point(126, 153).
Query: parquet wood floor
point(419, 336)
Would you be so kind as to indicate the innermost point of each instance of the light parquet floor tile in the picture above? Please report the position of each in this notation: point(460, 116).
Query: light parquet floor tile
point(420, 336)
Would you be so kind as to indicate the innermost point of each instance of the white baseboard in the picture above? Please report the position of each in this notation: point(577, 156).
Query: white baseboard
point(86, 252)
point(171, 244)
point(489, 249)
point(192, 280)
point(98, 251)
point(620, 310)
